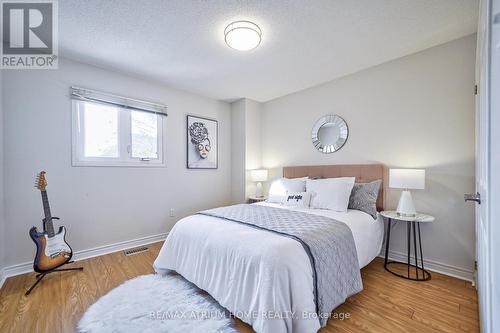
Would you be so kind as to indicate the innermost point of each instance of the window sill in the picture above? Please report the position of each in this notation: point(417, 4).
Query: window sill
point(118, 164)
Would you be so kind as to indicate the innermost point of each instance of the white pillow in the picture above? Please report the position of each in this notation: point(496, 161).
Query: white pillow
point(330, 193)
point(297, 199)
point(281, 186)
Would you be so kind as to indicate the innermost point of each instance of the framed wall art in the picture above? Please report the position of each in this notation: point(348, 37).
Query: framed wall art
point(202, 143)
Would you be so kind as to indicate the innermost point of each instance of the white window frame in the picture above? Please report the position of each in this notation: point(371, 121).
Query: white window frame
point(125, 158)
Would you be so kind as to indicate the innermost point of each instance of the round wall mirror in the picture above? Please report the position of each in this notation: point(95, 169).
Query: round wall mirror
point(329, 133)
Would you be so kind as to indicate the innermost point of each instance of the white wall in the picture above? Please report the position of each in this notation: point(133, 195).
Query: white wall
point(100, 205)
point(2, 216)
point(238, 151)
point(246, 147)
point(253, 143)
point(417, 111)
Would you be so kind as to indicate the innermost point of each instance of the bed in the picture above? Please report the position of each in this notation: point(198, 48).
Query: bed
point(261, 277)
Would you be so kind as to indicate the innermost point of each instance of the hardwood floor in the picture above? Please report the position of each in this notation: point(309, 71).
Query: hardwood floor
point(387, 303)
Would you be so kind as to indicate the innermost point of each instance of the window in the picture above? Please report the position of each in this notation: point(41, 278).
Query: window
point(114, 135)
point(144, 135)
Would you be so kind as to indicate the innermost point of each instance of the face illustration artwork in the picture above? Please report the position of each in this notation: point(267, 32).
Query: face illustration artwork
point(204, 148)
point(199, 138)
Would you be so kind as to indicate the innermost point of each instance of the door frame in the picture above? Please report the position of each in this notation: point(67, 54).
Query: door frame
point(488, 164)
point(494, 157)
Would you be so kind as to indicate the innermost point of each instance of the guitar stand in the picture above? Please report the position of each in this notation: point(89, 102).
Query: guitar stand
point(40, 276)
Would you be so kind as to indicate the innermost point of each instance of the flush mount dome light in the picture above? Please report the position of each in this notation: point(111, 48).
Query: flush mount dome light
point(243, 35)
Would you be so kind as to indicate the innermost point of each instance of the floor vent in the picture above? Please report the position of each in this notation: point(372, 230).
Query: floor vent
point(136, 250)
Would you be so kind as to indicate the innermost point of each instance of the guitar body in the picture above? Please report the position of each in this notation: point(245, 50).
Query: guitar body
point(51, 252)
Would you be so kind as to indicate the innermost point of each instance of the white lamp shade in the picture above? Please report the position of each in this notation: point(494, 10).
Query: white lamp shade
point(258, 175)
point(407, 178)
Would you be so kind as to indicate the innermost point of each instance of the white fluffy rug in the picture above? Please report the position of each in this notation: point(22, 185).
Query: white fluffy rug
point(155, 303)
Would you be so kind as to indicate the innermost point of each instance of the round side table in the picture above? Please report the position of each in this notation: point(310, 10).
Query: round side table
point(412, 223)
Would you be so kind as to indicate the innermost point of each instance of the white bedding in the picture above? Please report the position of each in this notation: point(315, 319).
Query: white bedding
point(261, 277)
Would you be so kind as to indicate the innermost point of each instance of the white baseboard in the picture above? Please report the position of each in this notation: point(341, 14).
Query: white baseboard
point(434, 266)
point(27, 267)
point(101, 250)
point(2, 277)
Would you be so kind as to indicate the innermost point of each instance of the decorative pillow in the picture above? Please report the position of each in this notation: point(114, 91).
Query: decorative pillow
point(330, 193)
point(364, 197)
point(280, 187)
point(297, 199)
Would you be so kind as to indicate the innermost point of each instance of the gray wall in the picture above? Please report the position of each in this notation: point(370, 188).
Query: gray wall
point(416, 111)
point(100, 205)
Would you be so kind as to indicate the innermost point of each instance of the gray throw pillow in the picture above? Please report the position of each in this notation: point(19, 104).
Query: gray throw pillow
point(364, 197)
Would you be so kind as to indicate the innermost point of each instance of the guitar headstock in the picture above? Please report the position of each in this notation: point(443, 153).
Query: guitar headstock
point(41, 182)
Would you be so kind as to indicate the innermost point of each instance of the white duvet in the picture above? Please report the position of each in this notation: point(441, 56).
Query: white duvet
point(263, 278)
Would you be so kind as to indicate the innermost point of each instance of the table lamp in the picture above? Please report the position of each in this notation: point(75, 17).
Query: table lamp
point(258, 176)
point(406, 179)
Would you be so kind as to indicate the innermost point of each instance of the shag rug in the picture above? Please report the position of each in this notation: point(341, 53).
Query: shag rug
point(155, 303)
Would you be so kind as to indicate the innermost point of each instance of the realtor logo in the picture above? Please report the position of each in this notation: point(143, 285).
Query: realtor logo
point(29, 34)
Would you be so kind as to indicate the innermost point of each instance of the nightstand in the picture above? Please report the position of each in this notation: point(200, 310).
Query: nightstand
point(418, 270)
point(256, 199)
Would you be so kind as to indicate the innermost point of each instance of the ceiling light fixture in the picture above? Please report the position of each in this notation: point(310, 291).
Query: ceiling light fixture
point(242, 35)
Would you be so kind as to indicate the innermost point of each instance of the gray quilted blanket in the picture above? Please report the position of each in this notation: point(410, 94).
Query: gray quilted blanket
point(328, 243)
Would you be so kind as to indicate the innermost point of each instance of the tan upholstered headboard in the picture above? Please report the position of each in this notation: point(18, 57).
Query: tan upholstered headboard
point(363, 172)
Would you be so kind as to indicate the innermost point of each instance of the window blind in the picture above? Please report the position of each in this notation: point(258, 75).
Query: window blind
point(88, 95)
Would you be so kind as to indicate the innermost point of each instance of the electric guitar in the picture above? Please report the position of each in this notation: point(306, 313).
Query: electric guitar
point(52, 250)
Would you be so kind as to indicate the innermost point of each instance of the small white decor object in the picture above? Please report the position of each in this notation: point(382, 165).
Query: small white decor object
point(407, 179)
point(258, 176)
point(330, 193)
point(242, 35)
point(156, 303)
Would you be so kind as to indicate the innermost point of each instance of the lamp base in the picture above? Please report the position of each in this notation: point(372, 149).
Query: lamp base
point(258, 190)
point(405, 205)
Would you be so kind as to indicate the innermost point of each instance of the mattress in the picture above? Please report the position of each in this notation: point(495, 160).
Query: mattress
point(263, 278)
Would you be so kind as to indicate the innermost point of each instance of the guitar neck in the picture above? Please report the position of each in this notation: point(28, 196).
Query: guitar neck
point(48, 225)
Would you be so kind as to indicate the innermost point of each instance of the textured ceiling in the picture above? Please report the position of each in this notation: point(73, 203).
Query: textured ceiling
point(305, 43)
